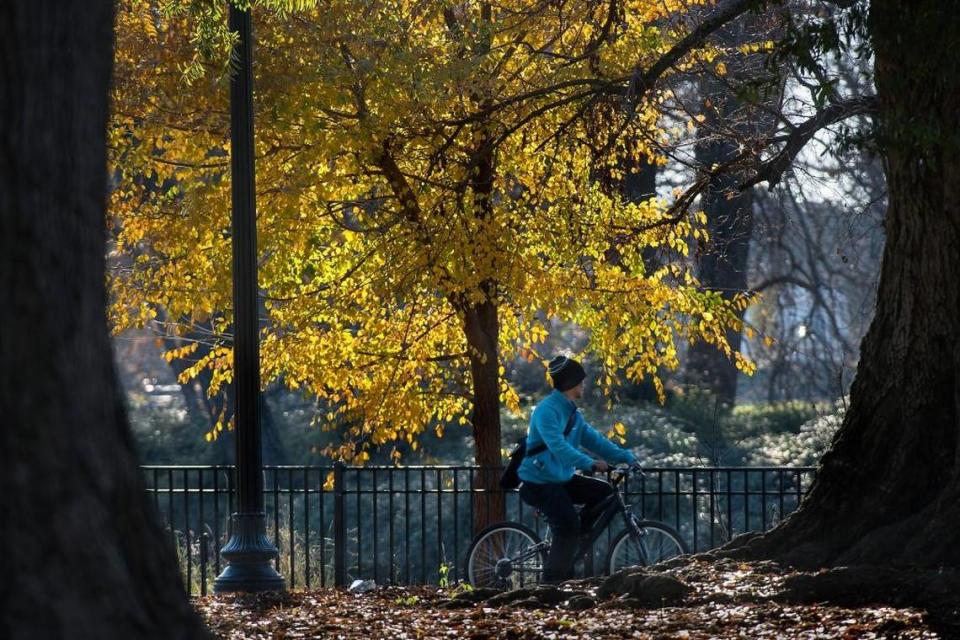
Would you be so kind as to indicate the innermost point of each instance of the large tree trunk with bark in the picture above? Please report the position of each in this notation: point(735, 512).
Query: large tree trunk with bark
point(85, 555)
point(888, 491)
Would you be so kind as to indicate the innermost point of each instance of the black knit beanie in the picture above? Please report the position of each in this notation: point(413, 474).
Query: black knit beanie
point(566, 373)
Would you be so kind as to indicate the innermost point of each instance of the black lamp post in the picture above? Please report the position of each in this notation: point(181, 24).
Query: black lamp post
point(248, 553)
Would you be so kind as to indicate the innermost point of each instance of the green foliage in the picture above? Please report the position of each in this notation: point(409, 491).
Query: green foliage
point(775, 418)
point(689, 433)
point(444, 572)
point(451, 589)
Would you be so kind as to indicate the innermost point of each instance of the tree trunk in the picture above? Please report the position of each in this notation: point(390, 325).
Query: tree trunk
point(274, 451)
point(85, 555)
point(482, 327)
point(888, 491)
point(723, 263)
point(640, 184)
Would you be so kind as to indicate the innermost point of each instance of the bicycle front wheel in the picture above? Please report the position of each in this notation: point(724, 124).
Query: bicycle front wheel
point(506, 556)
point(648, 544)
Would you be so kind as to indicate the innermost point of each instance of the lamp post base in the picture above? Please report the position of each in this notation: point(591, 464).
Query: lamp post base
point(249, 555)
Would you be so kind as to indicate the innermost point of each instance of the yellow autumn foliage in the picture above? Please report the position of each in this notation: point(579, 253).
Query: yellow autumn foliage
point(417, 161)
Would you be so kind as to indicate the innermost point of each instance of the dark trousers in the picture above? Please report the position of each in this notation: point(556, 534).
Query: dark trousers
point(556, 502)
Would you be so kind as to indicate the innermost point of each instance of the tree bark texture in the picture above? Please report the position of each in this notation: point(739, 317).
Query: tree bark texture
point(482, 329)
point(85, 555)
point(888, 491)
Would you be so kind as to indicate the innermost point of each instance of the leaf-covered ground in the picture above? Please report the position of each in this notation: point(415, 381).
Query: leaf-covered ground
point(723, 601)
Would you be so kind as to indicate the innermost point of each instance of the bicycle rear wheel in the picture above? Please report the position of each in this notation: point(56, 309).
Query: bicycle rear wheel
point(506, 556)
point(657, 542)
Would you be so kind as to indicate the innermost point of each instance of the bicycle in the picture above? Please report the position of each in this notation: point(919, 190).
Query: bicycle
point(511, 555)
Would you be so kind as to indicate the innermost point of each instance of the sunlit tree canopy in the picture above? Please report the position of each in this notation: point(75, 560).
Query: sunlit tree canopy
point(436, 182)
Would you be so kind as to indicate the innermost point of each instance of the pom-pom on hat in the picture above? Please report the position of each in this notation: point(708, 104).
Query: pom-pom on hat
point(566, 373)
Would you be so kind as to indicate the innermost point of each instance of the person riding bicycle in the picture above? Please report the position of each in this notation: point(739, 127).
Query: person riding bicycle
point(549, 481)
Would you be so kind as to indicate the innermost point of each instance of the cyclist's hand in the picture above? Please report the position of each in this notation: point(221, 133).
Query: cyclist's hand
point(600, 466)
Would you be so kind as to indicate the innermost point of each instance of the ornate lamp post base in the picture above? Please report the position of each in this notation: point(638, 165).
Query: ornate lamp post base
point(249, 555)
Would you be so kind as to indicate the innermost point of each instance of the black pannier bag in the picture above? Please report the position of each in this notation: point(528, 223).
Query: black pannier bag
point(509, 479)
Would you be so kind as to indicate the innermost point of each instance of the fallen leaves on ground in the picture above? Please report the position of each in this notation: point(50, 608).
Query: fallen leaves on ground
point(727, 600)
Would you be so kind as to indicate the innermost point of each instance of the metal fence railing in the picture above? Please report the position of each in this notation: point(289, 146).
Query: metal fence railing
point(414, 524)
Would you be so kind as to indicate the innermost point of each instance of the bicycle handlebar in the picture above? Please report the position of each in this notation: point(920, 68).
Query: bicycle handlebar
point(621, 471)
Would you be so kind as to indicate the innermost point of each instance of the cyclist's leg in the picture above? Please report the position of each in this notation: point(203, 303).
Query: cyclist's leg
point(554, 503)
point(589, 492)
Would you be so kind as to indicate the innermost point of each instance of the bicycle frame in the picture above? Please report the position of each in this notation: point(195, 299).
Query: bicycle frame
point(616, 505)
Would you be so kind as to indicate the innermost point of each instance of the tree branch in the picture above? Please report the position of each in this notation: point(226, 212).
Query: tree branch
point(771, 171)
point(399, 355)
point(642, 81)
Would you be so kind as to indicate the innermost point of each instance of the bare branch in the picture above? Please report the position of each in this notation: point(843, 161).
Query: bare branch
point(642, 81)
point(771, 171)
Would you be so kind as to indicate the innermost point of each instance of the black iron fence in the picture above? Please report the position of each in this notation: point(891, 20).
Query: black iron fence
point(414, 524)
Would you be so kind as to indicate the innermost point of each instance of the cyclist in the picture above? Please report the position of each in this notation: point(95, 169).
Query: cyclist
point(549, 481)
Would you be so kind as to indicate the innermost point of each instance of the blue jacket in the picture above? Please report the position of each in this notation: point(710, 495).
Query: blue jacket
point(562, 457)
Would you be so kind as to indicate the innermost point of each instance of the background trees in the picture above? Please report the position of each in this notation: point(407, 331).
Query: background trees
point(466, 166)
point(432, 192)
point(892, 471)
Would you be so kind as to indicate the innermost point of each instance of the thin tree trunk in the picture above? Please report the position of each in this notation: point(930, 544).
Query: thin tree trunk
point(723, 263)
point(85, 555)
point(638, 187)
point(482, 329)
point(888, 491)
